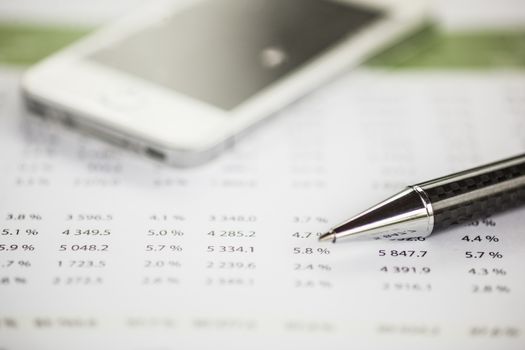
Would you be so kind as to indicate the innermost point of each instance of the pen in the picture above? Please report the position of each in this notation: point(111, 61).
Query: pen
point(434, 205)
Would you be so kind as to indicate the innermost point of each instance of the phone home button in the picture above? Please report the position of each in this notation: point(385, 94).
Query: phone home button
point(123, 99)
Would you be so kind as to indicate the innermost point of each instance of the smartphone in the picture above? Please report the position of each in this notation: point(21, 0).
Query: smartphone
point(180, 80)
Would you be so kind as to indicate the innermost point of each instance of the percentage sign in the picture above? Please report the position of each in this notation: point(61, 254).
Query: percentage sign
point(324, 267)
point(503, 289)
point(323, 251)
point(35, 217)
point(177, 233)
point(488, 222)
point(495, 255)
point(173, 263)
point(322, 220)
point(31, 232)
point(492, 238)
point(501, 272)
point(28, 247)
point(325, 284)
point(24, 263)
point(176, 248)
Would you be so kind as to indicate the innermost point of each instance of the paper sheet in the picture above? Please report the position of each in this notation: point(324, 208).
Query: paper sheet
point(104, 249)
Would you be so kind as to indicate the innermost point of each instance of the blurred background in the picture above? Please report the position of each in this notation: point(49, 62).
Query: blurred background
point(467, 33)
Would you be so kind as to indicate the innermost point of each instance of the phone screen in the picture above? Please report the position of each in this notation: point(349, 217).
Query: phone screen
point(223, 52)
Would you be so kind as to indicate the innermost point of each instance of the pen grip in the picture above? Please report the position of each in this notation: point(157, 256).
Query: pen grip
point(461, 198)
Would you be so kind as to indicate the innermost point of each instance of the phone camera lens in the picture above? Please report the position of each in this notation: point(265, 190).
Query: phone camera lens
point(273, 57)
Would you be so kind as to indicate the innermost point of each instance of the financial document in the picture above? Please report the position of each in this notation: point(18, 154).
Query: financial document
point(101, 248)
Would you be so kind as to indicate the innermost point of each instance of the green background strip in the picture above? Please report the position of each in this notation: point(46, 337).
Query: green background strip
point(23, 45)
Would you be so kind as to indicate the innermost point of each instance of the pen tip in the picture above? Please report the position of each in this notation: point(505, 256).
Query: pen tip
point(328, 236)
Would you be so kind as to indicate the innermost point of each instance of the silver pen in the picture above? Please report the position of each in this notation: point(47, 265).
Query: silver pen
point(428, 207)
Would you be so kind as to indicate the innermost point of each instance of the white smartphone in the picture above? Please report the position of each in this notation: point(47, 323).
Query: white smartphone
point(180, 80)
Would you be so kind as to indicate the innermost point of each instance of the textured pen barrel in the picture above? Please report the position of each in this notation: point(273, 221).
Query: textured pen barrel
point(476, 193)
point(433, 205)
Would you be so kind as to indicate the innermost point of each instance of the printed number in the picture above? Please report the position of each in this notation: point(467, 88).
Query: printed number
point(230, 249)
point(404, 253)
point(84, 247)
